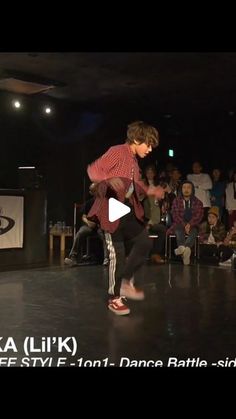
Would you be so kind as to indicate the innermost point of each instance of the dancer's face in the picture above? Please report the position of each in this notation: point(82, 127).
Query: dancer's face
point(142, 150)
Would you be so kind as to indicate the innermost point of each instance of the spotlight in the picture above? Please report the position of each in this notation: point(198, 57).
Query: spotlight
point(16, 104)
point(47, 110)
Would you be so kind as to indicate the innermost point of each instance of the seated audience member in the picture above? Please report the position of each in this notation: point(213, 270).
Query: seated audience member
point(150, 175)
point(187, 213)
point(152, 213)
point(217, 193)
point(230, 239)
point(212, 236)
point(154, 226)
point(202, 183)
point(171, 193)
point(87, 229)
point(175, 180)
point(230, 200)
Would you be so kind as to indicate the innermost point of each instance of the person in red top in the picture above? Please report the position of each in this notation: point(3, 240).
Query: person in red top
point(118, 174)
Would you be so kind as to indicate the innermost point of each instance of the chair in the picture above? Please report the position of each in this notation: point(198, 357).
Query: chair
point(76, 207)
point(85, 250)
point(152, 236)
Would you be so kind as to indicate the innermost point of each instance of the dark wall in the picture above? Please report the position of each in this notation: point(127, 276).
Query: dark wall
point(54, 144)
point(61, 145)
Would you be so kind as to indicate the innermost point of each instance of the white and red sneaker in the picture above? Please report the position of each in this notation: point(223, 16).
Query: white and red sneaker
point(117, 306)
point(128, 290)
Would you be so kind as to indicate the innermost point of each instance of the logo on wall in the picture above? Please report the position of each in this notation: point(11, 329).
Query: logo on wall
point(11, 221)
point(6, 223)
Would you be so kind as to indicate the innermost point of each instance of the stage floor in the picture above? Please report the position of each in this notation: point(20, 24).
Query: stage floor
point(188, 312)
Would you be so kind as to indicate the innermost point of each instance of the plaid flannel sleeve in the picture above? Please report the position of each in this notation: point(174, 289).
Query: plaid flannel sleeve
point(197, 213)
point(177, 212)
point(99, 170)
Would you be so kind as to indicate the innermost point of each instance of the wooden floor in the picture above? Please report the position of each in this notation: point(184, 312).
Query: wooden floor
point(188, 315)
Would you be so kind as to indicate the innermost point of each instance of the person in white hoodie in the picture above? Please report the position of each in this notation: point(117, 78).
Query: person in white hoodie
point(202, 183)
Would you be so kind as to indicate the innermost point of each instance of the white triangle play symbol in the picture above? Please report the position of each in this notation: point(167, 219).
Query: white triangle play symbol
point(116, 209)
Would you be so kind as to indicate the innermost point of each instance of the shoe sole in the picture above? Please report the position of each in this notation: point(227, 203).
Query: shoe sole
point(69, 263)
point(119, 313)
point(226, 265)
point(178, 253)
point(186, 258)
point(135, 298)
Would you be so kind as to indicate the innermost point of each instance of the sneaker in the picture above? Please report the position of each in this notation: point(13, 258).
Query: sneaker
point(106, 262)
point(128, 290)
point(186, 255)
point(180, 250)
point(117, 306)
point(227, 262)
point(71, 261)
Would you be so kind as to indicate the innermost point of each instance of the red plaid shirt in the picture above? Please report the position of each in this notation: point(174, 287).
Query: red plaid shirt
point(178, 209)
point(118, 161)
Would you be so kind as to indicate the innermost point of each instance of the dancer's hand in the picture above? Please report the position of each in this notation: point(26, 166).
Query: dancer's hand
point(116, 183)
point(156, 191)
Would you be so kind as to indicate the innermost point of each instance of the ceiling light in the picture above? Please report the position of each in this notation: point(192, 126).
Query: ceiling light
point(47, 109)
point(16, 104)
point(26, 167)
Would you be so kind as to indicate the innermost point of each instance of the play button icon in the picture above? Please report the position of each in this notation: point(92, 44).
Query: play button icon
point(116, 209)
